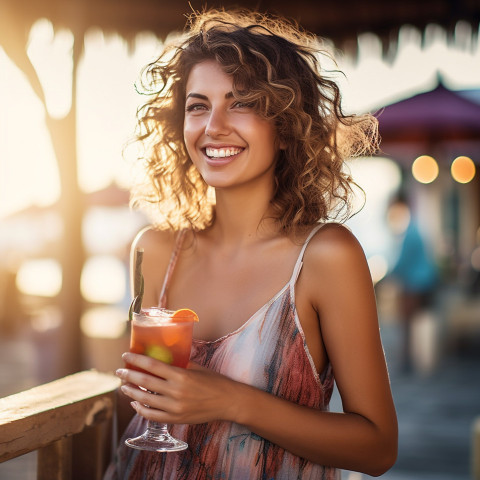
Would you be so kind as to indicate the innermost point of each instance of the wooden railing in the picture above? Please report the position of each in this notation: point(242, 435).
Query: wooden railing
point(68, 421)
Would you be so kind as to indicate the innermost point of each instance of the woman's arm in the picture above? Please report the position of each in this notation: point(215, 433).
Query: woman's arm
point(363, 438)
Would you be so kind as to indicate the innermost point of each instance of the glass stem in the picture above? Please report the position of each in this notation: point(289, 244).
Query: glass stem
point(156, 429)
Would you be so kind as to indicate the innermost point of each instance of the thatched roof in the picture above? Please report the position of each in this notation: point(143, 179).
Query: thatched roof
point(340, 20)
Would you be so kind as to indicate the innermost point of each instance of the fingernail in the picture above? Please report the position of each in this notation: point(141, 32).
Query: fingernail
point(121, 372)
point(134, 405)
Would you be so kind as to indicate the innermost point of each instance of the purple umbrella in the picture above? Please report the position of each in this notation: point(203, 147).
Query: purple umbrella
point(433, 117)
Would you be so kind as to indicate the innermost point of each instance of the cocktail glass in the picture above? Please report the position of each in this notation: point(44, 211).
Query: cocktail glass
point(157, 334)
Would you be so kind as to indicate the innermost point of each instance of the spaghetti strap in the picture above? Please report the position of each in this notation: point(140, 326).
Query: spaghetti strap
point(299, 264)
point(162, 301)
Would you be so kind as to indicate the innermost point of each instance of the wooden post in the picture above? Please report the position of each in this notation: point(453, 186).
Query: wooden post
point(91, 451)
point(54, 462)
point(63, 133)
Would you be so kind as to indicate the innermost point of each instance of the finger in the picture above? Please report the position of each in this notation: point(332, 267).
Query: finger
point(153, 405)
point(132, 385)
point(151, 413)
point(142, 396)
point(140, 379)
point(149, 364)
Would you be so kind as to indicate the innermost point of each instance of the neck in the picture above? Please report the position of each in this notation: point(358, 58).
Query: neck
point(242, 217)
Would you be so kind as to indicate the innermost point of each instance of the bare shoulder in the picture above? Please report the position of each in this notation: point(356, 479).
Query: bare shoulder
point(335, 267)
point(333, 247)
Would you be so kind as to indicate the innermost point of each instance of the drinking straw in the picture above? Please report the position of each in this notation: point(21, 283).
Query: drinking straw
point(138, 283)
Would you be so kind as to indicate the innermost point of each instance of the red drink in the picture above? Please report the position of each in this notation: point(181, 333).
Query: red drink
point(157, 334)
point(167, 336)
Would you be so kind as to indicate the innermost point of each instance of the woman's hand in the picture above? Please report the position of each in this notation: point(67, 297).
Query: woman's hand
point(192, 395)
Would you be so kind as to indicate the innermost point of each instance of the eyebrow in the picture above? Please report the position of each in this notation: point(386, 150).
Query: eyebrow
point(204, 97)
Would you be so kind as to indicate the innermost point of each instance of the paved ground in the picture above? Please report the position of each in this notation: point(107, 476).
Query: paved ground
point(436, 416)
point(435, 411)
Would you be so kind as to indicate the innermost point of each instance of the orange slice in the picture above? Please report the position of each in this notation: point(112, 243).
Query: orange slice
point(185, 315)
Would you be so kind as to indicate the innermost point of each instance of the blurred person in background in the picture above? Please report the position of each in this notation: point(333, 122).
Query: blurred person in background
point(414, 271)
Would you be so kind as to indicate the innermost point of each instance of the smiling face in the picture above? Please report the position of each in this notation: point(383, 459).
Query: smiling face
point(228, 142)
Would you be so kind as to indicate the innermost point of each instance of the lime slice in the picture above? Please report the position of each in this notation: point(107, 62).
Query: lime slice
point(159, 353)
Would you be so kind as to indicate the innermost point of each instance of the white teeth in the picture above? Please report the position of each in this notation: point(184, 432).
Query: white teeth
point(222, 152)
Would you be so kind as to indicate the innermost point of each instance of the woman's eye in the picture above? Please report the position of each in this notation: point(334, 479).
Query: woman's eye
point(242, 105)
point(195, 107)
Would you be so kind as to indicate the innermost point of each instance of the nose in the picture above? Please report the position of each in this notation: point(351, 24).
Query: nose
point(217, 123)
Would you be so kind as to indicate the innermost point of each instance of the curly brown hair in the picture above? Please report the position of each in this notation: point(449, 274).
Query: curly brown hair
point(275, 66)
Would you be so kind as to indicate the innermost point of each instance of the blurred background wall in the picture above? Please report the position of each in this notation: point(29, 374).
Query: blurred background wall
point(68, 70)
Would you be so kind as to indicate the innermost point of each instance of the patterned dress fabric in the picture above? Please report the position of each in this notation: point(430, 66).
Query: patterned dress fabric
point(269, 352)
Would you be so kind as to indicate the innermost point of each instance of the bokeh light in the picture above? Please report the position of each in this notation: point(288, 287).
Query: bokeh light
point(104, 322)
point(463, 169)
point(103, 279)
point(425, 169)
point(40, 277)
point(369, 223)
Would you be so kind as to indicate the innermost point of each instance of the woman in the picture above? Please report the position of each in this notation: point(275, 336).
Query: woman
point(246, 148)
